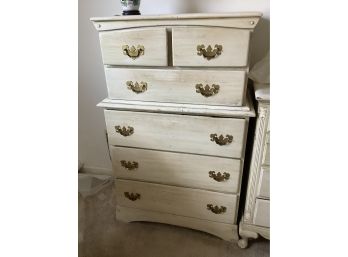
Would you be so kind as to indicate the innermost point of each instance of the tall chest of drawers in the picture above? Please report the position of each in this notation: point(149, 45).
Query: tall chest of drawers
point(177, 116)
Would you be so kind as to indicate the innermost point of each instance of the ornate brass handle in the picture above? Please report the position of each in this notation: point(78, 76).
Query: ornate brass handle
point(218, 176)
point(129, 165)
point(124, 131)
point(221, 140)
point(209, 53)
point(132, 196)
point(207, 90)
point(137, 87)
point(216, 209)
point(133, 52)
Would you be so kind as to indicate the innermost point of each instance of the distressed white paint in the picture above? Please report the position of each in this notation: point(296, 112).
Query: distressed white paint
point(92, 142)
point(177, 169)
point(234, 42)
point(177, 85)
point(180, 133)
point(153, 40)
point(177, 200)
point(225, 231)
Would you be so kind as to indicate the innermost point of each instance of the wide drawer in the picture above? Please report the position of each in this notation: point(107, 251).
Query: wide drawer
point(212, 87)
point(177, 200)
point(264, 185)
point(261, 213)
point(146, 47)
point(196, 171)
point(210, 47)
point(181, 133)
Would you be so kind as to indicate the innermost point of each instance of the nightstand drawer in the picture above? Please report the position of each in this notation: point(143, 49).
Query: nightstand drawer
point(264, 185)
point(261, 213)
point(189, 170)
point(210, 47)
point(180, 133)
point(147, 47)
point(177, 200)
point(211, 87)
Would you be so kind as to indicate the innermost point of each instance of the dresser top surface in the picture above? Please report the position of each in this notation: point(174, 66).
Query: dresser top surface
point(179, 16)
point(262, 92)
point(240, 20)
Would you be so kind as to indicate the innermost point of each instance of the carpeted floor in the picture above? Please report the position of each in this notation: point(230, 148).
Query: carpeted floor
point(100, 235)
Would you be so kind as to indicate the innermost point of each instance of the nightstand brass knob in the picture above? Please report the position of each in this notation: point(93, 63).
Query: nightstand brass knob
point(132, 196)
point(207, 90)
point(124, 131)
point(133, 52)
point(216, 209)
point(129, 165)
point(209, 53)
point(137, 87)
point(218, 176)
point(221, 140)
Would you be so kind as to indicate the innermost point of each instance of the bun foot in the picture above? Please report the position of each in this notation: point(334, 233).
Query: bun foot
point(243, 243)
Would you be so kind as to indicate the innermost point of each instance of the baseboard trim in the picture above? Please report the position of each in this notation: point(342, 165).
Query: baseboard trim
point(96, 170)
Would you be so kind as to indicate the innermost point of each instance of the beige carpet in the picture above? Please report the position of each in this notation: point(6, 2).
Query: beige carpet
point(100, 235)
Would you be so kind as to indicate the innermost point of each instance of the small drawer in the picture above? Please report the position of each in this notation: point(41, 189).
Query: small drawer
point(261, 213)
point(210, 87)
point(177, 200)
point(147, 47)
point(180, 133)
point(195, 171)
point(264, 185)
point(210, 47)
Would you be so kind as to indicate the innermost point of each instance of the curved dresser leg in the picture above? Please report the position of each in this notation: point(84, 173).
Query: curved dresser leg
point(243, 242)
point(245, 234)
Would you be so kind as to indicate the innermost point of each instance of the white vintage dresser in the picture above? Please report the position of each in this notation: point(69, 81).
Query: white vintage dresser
point(177, 116)
point(256, 216)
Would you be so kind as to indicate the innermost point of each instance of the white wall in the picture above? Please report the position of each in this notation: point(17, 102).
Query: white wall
point(92, 88)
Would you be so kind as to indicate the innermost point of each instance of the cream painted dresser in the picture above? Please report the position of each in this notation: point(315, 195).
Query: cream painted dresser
point(177, 116)
point(256, 216)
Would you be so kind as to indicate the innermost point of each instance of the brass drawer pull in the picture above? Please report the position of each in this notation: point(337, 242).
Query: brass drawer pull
point(207, 90)
point(218, 176)
point(129, 165)
point(137, 87)
point(221, 140)
point(124, 131)
point(216, 209)
point(132, 196)
point(133, 52)
point(209, 53)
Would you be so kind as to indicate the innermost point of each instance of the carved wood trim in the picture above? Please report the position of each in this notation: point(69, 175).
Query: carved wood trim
point(257, 155)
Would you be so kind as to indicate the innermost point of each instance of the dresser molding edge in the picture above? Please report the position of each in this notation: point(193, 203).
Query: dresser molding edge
point(246, 20)
point(175, 108)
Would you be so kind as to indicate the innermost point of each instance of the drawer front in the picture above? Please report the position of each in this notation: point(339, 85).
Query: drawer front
point(261, 213)
point(196, 171)
point(210, 47)
point(177, 200)
point(181, 133)
point(264, 185)
point(212, 87)
point(146, 47)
